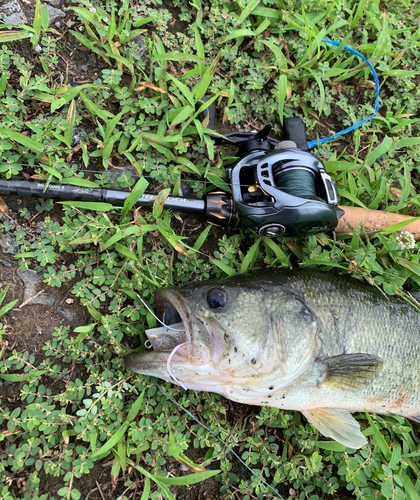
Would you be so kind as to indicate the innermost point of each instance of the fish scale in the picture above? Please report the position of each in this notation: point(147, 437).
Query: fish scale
point(323, 344)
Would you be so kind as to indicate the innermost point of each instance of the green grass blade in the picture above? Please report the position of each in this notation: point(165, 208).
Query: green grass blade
point(380, 194)
point(262, 27)
point(407, 142)
point(200, 49)
point(145, 20)
point(331, 446)
point(202, 238)
point(110, 32)
point(3, 293)
point(181, 116)
point(224, 267)
point(359, 12)
point(122, 60)
point(250, 257)
point(37, 17)
point(379, 439)
point(159, 202)
point(402, 72)
point(125, 252)
point(135, 194)
point(156, 479)
point(115, 438)
point(176, 56)
point(189, 165)
point(94, 109)
point(202, 86)
point(185, 91)
point(109, 146)
point(249, 7)
point(7, 307)
point(406, 189)
point(45, 17)
point(399, 226)
point(345, 194)
point(409, 487)
point(379, 151)
point(321, 92)
point(21, 378)
point(87, 16)
point(71, 119)
point(111, 125)
point(76, 181)
point(83, 39)
point(217, 181)
point(282, 95)
point(11, 36)
point(411, 266)
point(22, 139)
point(278, 252)
point(188, 479)
point(239, 33)
point(146, 489)
point(88, 205)
point(268, 12)
point(275, 49)
point(132, 230)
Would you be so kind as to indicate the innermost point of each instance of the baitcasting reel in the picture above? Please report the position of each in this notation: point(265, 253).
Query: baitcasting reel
point(277, 188)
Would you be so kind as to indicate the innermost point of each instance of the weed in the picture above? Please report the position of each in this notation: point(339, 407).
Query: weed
point(260, 62)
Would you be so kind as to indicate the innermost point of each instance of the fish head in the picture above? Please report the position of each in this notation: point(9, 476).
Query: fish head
point(243, 338)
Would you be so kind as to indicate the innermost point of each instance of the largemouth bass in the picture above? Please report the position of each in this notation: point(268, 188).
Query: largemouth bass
point(319, 343)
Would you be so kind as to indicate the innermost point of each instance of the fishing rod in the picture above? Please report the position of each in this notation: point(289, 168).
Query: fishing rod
point(274, 187)
point(277, 188)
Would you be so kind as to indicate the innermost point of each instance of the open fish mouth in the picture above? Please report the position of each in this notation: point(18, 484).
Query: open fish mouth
point(170, 333)
point(182, 343)
point(164, 341)
point(183, 326)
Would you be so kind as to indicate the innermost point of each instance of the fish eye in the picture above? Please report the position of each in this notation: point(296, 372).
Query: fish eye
point(217, 299)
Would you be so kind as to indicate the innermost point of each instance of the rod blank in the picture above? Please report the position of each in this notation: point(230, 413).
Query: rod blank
point(63, 192)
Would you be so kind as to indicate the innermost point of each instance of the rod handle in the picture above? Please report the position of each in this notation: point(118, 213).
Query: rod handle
point(374, 221)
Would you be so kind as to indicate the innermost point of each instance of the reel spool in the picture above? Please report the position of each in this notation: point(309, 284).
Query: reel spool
point(297, 181)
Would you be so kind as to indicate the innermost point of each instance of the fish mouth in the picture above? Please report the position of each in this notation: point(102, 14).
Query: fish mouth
point(171, 332)
point(179, 346)
point(190, 328)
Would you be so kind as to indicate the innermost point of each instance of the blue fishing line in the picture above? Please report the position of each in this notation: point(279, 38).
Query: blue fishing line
point(219, 438)
point(312, 144)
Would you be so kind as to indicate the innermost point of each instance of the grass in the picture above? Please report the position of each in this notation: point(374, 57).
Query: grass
point(260, 61)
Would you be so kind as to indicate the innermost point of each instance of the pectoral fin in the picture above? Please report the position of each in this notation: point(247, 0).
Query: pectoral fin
point(338, 425)
point(349, 371)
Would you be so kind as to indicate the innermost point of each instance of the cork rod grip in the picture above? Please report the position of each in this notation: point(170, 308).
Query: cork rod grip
point(373, 221)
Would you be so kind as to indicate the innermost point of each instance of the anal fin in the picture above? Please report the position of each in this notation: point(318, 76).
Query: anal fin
point(338, 425)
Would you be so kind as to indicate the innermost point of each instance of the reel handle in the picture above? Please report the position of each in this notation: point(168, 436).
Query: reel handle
point(294, 130)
